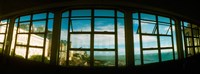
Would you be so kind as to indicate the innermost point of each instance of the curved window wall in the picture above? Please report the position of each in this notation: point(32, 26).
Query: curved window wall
point(32, 37)
point(96, 37)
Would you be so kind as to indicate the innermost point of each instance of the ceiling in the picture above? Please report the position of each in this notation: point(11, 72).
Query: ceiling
point(187, 8)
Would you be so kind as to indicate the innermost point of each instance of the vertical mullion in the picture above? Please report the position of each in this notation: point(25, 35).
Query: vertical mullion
point(116, 37)
point(172, 39)
point(45, 36)
point(158, 40)
point(92, 39)
point(193, 46)
point(140, 36)
point(29, 34)
point(68, 38)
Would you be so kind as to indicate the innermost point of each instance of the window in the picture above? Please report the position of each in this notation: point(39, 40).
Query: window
point(32, 37)
point(87, 40)
point(4, 24)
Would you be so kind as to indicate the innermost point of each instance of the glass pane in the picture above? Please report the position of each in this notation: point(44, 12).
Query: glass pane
point(163, 19)
point(35, 54)
point(148, 16)
point(103, 12)
point(80, 24)
point(150, 56)
point(104, 24)
point(38, 26)
point(188, 31)
point(79, 58)
point(3, 22)
point(81, 13)
point(51, 15)
point(195, 32)
point(62, 58)
point(25, 18)
point(3, 28)
point(2, 36)
point(121, 43)
point(37, 40)
point(196, 42)
point(50, 25)
point(17, 19)
point(166, 54)
point(104, 58)
point(20, 51)
point(64, 33)
point(24, 27)
point(65, 14)
point(104, 41)
point(190, 51)
point(186, 24)
point(149, 41)
point(148, 27)
point(165, 29)
point(135, 15)
point(22, 39)
point(1, 48)
point(80, 41)
point(120, 14)
point(189, 41)
point(165, 41)
point(39, 16)
point(196, 50)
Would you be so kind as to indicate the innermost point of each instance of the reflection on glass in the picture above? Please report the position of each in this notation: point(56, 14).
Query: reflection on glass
point(79, 58)
point(20, 51)
point(103, 12)
point(35, 54)
point(149, 41)
point(37, 40)
point(166, 54)
point(147, 27)
point(38, 26)
point(25, 18)
point(2, 36)
point(24, 27)
point(81, 13)
point(22, 39)
point(104, 41)
point(148, 16)
point(104, 24)
point(104, 58)
point(150, 56)
point(80, 41)
point(39, 16)
point(165, 41)
point(80, 24)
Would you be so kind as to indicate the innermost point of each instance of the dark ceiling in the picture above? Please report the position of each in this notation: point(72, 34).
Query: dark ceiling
point(187, 8)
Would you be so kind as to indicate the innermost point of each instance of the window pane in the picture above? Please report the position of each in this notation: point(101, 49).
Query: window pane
point(196, 50)
point(2, 36)
point(165, 41)
point(51, 15)
point(50, 25)
point(25, 18)
point(80, 41)
point(80, 24)
point(190, 51)
point(150, 56)
point(148, 16)
point(149, 41)
point(135, 16)
point(65, 14)
point(188, 31)
point(35, 54)
point(39, 16)
point(104, 58)
point(163, 19)
point(38, 26)
point(81, 12)
point(166, 54)
point(3, 28)
point(148, 27)
point(165, 29)
point(186, 24)
point(24, 27)
point(3, 22)
point(22, 39)
point(104, 24)
point(195, 32)
point(104, 41)
point(20, 51)
point(62, 58)
point(189, 41)
point(37, 40)
point(79, 58)
point(196, 42)
point(120, 14)
point(103, 12)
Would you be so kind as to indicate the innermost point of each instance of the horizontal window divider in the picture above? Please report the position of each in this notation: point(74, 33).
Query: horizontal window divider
point(160, 22)
point(166, 47)
point(103, 49)
point(2, 33)
point(37, 33)
point(148, 20)
point(80, 32)
point(39, 20)
point(21, 45)
point(105, 32)
point(23, 33)
point(155, 34)
point(1, 43)
point(190, 37)
point(80, 49)
point(3, 24)
point(190, 46)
